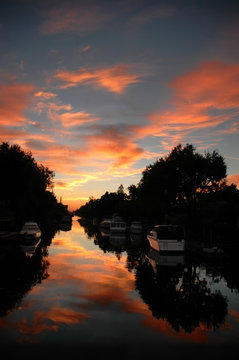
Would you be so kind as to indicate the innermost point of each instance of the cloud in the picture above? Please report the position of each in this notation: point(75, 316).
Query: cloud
point(52, 109)
point(71, 119)
point(45, 95)
point(72, 17)
point(114, 144)
point(14, 100)
point(57, 156)
point(82, 178)
point(213, 85)
point(86, 48)
point(7, 134)
point(103, 151)
point(203, 98)
point(63, 113)
point(114, 79)
point(150, 13)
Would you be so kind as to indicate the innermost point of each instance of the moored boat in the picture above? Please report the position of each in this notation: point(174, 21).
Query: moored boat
point(167, 238)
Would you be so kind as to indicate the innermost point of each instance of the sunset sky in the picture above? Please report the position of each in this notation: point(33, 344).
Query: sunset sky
point(98, 90)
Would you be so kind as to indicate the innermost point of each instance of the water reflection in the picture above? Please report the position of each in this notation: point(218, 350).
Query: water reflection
point(179, 292)
point(173, 286)
point(18, 275)
point(96, 291)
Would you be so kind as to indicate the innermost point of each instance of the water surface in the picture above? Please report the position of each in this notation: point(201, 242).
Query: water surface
point(87, 294)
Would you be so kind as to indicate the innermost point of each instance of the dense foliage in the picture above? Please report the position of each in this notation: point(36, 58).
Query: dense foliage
point(182, 178)
point(25, 187)
point(182, 181)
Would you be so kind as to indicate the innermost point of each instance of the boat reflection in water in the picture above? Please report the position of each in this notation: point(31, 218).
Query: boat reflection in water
point(136, 239)
point(30, 238)
point(114, 296)
point(117, 239)
point(158, 259)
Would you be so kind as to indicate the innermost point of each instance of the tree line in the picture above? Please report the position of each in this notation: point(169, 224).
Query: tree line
point(26, 188)
point(182, 182)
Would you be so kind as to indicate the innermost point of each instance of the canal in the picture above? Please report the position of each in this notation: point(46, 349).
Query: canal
point(86, 294)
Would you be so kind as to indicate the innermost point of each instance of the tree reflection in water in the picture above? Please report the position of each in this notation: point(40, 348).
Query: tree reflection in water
point(18, 275)
point(179, 294)
point(174, 288)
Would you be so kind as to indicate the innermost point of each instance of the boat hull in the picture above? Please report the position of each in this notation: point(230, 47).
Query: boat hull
point(166, 245)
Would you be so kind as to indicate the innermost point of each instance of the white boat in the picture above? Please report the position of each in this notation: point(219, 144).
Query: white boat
point(30, 230)
point(136, 227)
point(167, 238)
point(117, 225)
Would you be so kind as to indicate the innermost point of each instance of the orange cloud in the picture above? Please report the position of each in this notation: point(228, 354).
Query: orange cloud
point(7, 134)
point(29, 141)
point(45, 95)
point(115, 144)
point(70, 119)
point(107, 149)
point(213, 85)
point(61, 158)
point(55, 112)
point(114, 79)
point(52, 109)
point(199, 95)
point(14, 100)
point(202, 98)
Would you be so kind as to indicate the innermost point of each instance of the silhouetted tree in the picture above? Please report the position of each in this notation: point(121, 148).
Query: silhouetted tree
point(25, 186)
point(181, 178)
point(180, 182)
point(133, 192)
